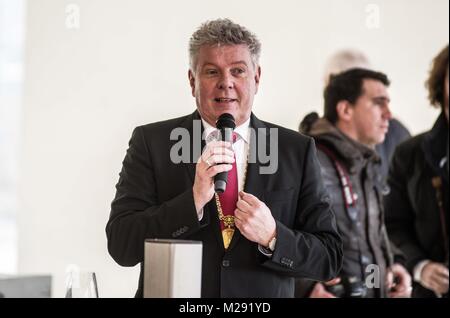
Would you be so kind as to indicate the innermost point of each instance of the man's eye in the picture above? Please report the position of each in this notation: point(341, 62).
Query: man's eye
point(211, 72)
point(237, 71)
point(379, 102)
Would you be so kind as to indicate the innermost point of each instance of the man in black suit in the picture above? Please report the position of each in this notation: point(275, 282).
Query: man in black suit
point(273, 222)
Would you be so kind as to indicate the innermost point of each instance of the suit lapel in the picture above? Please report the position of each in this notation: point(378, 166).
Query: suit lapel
point(215, 222)
point(255, 182)
point(194, 141)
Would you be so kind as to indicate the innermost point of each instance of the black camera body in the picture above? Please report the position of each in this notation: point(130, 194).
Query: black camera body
point(349, 287)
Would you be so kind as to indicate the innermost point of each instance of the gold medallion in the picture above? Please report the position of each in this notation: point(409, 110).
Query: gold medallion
point(227, 235)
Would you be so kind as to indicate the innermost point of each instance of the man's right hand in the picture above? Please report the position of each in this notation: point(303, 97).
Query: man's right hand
point(319, 290)
point(217, 157)
point(435, 277)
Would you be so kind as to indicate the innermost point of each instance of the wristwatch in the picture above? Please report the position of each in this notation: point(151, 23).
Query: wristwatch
point(272, 243)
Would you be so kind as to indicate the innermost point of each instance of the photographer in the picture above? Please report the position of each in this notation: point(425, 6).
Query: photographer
point(356, 118)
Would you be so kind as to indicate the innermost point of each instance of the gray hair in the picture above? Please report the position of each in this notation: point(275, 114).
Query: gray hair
point(222, 32)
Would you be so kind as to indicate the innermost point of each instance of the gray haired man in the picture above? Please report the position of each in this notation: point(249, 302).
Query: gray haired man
point(265, 229)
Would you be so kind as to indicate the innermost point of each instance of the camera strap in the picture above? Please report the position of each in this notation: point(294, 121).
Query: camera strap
point(349, 196)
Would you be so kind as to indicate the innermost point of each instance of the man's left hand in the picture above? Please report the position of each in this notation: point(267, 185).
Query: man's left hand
point(254, 219)
point(398, 282)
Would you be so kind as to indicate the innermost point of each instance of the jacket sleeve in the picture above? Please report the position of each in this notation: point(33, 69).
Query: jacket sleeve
point(313, 249)
point(303, 287)
point(137, 215)
point(399, 213)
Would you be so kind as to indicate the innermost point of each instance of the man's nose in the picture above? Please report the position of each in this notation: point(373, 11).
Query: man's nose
point(226, 82)
point(387, 112)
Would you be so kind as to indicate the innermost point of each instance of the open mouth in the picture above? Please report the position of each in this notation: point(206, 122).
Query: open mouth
point(224, 100)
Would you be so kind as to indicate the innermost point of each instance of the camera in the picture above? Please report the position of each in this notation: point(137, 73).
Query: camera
point(349, 287)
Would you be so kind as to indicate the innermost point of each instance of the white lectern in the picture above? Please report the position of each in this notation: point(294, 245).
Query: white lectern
point(172, 269)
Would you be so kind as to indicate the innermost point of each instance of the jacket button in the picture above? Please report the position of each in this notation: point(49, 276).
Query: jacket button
point(225, 263)
point(365, 260)
point(287, 262)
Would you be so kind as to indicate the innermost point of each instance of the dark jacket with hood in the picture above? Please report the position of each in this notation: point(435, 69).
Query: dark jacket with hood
point(364, 240)
point(413, 217)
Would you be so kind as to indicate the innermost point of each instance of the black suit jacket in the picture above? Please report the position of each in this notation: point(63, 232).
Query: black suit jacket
point(413, 217)
point(154, 200)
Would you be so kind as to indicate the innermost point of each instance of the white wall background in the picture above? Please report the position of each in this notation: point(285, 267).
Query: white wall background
point(87, 88)
point(12, 27)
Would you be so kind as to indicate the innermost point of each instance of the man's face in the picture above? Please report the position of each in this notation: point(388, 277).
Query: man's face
point(225, 81)
point(371, 114)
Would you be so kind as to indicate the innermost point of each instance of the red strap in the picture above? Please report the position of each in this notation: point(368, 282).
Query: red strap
point(229, 198)
point(344, 179)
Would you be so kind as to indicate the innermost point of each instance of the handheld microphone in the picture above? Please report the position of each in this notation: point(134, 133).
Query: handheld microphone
point(225, 124)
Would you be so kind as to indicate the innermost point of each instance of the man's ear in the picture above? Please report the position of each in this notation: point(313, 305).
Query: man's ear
point(192, 82)
point(257, 77)
point(344, 111)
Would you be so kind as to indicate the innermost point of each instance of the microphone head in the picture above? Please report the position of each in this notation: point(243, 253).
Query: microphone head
point(225, 121)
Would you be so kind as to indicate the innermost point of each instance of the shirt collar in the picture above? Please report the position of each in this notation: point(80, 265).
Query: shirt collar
point(242, 130)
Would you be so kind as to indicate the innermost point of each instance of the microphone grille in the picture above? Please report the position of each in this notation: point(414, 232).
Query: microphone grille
point(225, 121)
